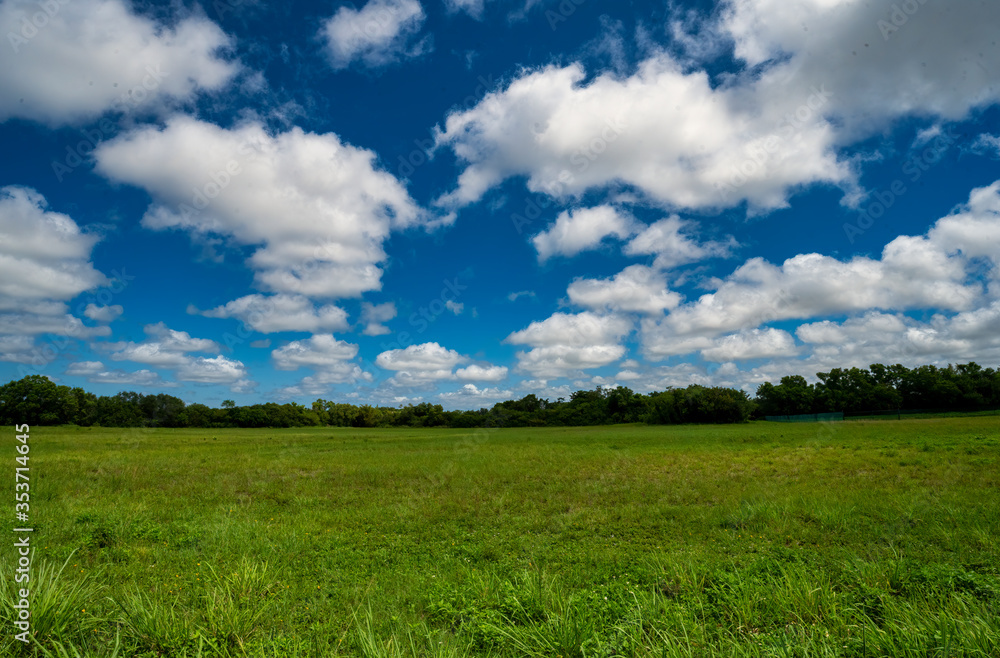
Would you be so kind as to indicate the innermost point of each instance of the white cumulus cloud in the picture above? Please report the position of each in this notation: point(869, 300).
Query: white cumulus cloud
point(378, 34)
point(565, 344)
point(672, 247)
point(103, 313)
point(752, 344)
point(44, 263)
point(636, 288)
point(282, 312)
point(476, 373)
point(418, 364)
point(471, 396)
point(820, 75)
point(374, 315)
point(71, 60)
point(85, 368)
point(177, 350)
point(579, 230)
point(315, 210)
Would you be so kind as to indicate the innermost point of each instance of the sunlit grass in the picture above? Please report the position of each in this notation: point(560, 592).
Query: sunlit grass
point(870, 538)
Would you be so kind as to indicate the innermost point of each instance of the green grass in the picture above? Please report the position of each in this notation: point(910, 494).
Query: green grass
point(909, 415)
point(845, 539)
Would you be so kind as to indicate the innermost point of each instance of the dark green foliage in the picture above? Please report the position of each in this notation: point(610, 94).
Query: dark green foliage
point(36, 400)
point(965, 387)
point(697, 404)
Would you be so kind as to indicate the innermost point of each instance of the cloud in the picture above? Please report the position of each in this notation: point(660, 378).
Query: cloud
point(543, 389)
point(378, 34)
point(514, 296)
point(320, 351)
point(752, 344)
point(164, 347)
point(814, 76)
point(580, 230)
point(987, 144)
point(373, 315)
point(476, 373)
point(473, 8)
point(974, 230)
point(322, 383)
point(30, 324)
point(565, 344)
point(85, 368)
point(67, 62)
point(275, 313)
point(215, 370)
point(934, 271)
point(44, 255)
point(44, 263)
point(316, 210)
point(872, 337)
point(330, 358)
point(175, 350)
point(20, 349)
point(418, 364)
point(668, 133)
point(672, 248)
point(103, 313)
point(875, 337)
point(97, 373)
point(143, 378)
point(811, 285)
point(470, 396)
point(454, 307)
point(884, 338)
point(936, 63)
point(636, 288)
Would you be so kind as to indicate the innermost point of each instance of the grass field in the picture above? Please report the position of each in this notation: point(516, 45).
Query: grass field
point(869, 538)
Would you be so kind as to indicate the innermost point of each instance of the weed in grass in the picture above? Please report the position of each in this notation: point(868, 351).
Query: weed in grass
point(59, 602)
point(156, 625)
point(236, 602)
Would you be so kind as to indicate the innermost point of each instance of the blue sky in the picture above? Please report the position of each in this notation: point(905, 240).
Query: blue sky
point(462, 202)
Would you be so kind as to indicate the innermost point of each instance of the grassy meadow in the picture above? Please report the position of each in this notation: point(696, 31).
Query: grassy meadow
point(867, 538)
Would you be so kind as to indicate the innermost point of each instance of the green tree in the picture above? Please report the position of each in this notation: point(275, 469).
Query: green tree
point(36, 400)
point(366, 416)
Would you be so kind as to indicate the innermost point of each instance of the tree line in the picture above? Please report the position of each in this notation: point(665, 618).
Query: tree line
point(965, 387)
point(36, 400)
